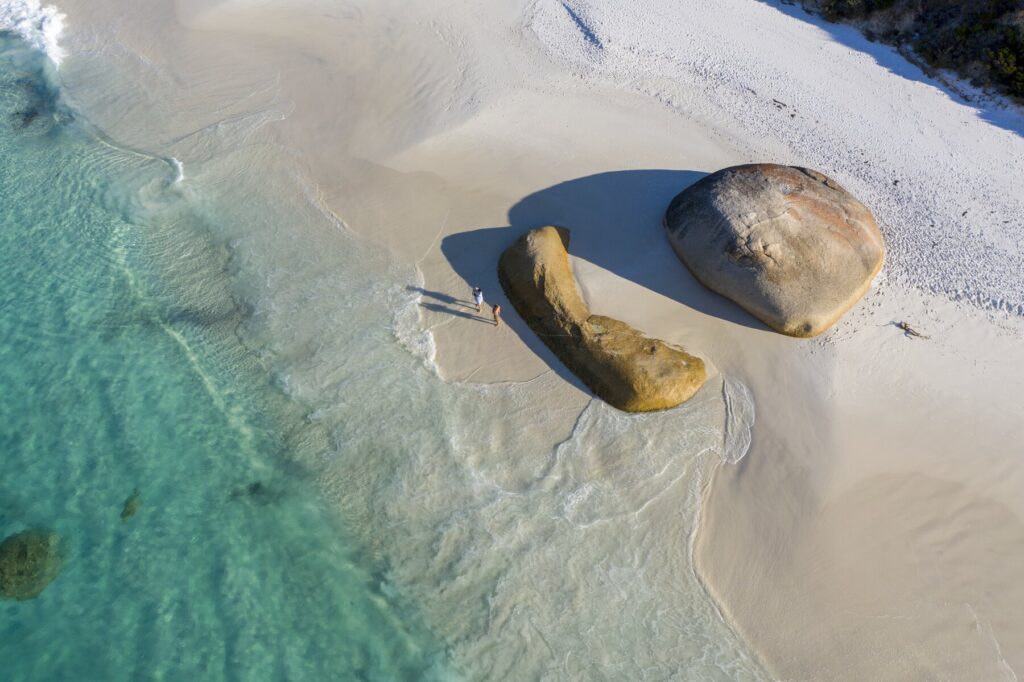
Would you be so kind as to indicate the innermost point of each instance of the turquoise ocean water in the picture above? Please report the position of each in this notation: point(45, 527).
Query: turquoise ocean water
point(110, 381)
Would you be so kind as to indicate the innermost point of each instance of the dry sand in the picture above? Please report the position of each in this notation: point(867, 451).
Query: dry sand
point(874, 530)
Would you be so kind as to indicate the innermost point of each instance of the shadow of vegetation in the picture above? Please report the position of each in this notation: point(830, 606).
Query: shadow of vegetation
point(887, 56)
point(615, 223)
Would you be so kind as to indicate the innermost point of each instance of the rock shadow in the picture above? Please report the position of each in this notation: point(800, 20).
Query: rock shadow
point(615, 220)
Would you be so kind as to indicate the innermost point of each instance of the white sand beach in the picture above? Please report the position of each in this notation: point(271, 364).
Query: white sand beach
point(874, 529)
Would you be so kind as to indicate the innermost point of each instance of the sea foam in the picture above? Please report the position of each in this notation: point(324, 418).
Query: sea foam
point(739, 420)
point(39, 25)
point(179, 170)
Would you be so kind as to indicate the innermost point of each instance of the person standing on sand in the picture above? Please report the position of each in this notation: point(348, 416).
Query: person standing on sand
point(478, 298)
point(496, 309)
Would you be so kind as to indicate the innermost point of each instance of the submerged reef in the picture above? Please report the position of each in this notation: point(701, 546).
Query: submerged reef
point(131, 505)
point(29, 561)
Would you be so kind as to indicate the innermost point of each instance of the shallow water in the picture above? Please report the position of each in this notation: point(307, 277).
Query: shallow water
point(195, 329)
point(232, 567)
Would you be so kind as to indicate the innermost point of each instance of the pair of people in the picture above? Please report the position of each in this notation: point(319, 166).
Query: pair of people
point(478, 299)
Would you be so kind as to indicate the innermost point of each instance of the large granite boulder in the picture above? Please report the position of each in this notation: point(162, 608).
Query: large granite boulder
point(622, 366)
point(788, 244)
point(29, 561)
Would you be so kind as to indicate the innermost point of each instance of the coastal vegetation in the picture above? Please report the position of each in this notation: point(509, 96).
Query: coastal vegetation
point(982, 40)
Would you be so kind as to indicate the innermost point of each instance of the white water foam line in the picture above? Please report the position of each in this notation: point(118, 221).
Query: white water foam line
point(179, 170)
point(38, 25)
point(739, 420)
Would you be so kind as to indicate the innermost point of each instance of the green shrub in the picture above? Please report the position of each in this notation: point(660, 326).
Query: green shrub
point(979, 39)
point(851, 9)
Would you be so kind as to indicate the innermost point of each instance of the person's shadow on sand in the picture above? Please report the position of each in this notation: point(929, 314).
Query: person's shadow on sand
point(615, 223)
point(450, 305)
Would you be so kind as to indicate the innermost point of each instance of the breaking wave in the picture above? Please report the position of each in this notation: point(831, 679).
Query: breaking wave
point(38, 25)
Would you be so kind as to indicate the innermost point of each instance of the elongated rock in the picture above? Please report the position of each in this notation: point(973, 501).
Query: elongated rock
point(622, 366)
point(788, 244)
